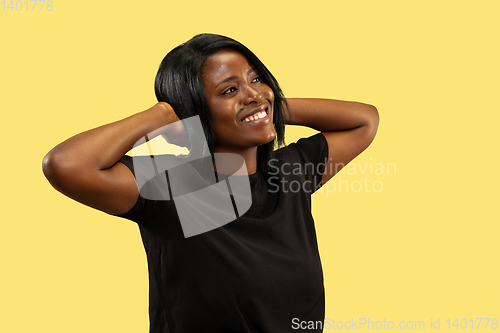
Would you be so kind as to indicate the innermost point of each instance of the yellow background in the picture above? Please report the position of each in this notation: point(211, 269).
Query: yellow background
point(425, 247)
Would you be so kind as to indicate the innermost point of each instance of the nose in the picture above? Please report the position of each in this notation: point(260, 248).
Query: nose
point(251, 95)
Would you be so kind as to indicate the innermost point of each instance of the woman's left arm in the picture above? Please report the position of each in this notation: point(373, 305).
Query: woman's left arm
point(349, 127)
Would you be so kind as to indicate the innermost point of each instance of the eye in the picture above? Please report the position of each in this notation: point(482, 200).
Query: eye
point(229, 90)
point(257, 79)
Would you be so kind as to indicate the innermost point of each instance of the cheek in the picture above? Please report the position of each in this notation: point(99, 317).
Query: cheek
point(269, 94)
point(222, 115)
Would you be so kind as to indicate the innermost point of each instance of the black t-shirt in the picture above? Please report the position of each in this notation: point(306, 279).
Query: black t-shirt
point(258, 273)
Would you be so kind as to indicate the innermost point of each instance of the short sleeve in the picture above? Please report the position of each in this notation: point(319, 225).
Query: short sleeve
point(136, 213)
point(308, 159)
point(152, 182)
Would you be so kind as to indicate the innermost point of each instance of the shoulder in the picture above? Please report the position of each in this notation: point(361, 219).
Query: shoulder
point(313, 149)
point(302, 163)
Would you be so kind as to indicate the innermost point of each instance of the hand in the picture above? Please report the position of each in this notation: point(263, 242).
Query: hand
point(174, 133)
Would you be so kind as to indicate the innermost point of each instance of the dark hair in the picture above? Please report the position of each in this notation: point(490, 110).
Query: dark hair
point(179, 83)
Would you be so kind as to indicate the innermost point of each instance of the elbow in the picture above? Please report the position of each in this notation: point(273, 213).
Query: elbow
point(372, 121)
point(51, 167)
point(367, 116)
point(373, 115)
point(57, 169)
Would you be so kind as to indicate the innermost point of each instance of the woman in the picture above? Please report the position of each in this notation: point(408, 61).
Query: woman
point(261, 272)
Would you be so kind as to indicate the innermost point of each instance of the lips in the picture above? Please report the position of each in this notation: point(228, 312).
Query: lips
point(256, 116)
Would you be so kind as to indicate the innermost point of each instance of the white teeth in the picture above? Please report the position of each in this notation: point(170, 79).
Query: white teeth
point(255, 116)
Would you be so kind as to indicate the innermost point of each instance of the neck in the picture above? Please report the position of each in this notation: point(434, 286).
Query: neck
point(228, 164)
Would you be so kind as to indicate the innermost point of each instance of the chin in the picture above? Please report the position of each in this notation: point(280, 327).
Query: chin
point(269, 138)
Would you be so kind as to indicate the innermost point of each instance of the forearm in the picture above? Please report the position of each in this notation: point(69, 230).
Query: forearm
point(100, 148)
point(329, 115)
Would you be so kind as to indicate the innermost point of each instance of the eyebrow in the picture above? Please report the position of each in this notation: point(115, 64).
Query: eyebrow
point(250, 71)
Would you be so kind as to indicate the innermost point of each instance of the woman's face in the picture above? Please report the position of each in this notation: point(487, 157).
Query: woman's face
point(241, 104)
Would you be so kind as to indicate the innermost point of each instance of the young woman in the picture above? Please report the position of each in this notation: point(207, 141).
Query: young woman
point(261, 272)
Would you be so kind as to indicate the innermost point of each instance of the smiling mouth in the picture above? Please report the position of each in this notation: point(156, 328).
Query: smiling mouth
point(256, 116)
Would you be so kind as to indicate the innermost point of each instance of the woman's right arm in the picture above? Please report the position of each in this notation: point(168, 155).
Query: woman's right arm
point(85, 167)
